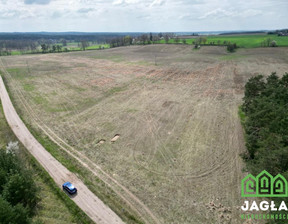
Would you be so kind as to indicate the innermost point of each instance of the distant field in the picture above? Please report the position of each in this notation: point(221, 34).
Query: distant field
point(245, 41)
point(70, 46)
point(175, 111)
point(74, 46)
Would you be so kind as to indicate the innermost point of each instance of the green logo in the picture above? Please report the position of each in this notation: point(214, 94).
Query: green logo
point(264, 185)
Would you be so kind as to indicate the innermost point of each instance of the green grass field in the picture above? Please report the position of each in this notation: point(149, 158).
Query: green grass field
point(244, 41)
point(73, 46)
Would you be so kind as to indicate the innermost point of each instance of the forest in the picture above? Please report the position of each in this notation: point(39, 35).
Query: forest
point(266, 126)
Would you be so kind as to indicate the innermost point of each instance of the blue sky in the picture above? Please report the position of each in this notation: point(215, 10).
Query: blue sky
point(141, 15)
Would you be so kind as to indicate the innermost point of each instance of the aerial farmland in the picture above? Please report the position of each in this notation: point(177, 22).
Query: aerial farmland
point(158, 124)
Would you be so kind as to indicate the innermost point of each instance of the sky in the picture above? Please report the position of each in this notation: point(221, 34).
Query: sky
point(141, 15)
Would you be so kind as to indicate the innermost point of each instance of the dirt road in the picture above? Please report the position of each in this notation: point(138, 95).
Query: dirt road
point(85, 199)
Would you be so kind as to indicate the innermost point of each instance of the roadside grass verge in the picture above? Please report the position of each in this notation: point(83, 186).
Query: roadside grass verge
point(49, 193)
point(78, 215)
point(96, 185)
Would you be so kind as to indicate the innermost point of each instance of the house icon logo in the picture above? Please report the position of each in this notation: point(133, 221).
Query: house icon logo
point(264, 185)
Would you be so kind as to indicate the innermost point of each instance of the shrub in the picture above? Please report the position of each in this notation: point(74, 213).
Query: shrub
point(273, 44)
point(231, 47)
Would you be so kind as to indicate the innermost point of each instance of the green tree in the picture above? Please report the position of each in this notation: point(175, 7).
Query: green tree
point(20, 189)
point(59, 48)
point(231, 47)
point(54, 48)
point(266, 125)
point(176, 40)
point(64, 42)
point(44, 48)
point(268, 41)
point(166, 37)
point(204, 40)
point(84, 44)
point(9, 163)
point(6, 212)
point(253, 88)
point(17, 187)
point(273, 43)
point(14, 215)
point(21, 215)
point(127, 40)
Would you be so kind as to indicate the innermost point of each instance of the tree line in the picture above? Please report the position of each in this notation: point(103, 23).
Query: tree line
point(266, 126)
point(44, 42)
point(167, 37)
point(141, 39)
point(18, 192)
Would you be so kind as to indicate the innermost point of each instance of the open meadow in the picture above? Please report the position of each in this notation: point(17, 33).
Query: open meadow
point(242, 40)
point(171, 111)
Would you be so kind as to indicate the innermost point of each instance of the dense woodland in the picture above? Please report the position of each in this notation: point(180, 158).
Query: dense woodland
point(266, 126)
point(266, 109)
point(18, 192)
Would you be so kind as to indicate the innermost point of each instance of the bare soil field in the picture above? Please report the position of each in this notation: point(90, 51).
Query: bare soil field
point(158, 123)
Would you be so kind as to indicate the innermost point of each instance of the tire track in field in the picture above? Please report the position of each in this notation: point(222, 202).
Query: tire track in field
point(85, 199)
point(86, 162)
point(212, 71)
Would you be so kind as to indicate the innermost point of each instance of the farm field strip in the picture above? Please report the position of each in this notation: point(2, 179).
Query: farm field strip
point(180, 136)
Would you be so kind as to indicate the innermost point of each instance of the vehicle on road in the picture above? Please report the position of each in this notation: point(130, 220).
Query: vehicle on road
point(69, 187)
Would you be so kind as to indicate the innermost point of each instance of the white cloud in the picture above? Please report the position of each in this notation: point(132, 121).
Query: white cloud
point(231, 13)
point(20, 13)
point(217, 13)
point(250, 12)
point(157, 3)
point(7, 14)
point(40, 2)
point(85, 10)
point(118, 2)
point(128, 15)
point(125, 2)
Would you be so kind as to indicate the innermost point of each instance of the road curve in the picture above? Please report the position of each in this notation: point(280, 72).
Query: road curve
point(85, 199)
